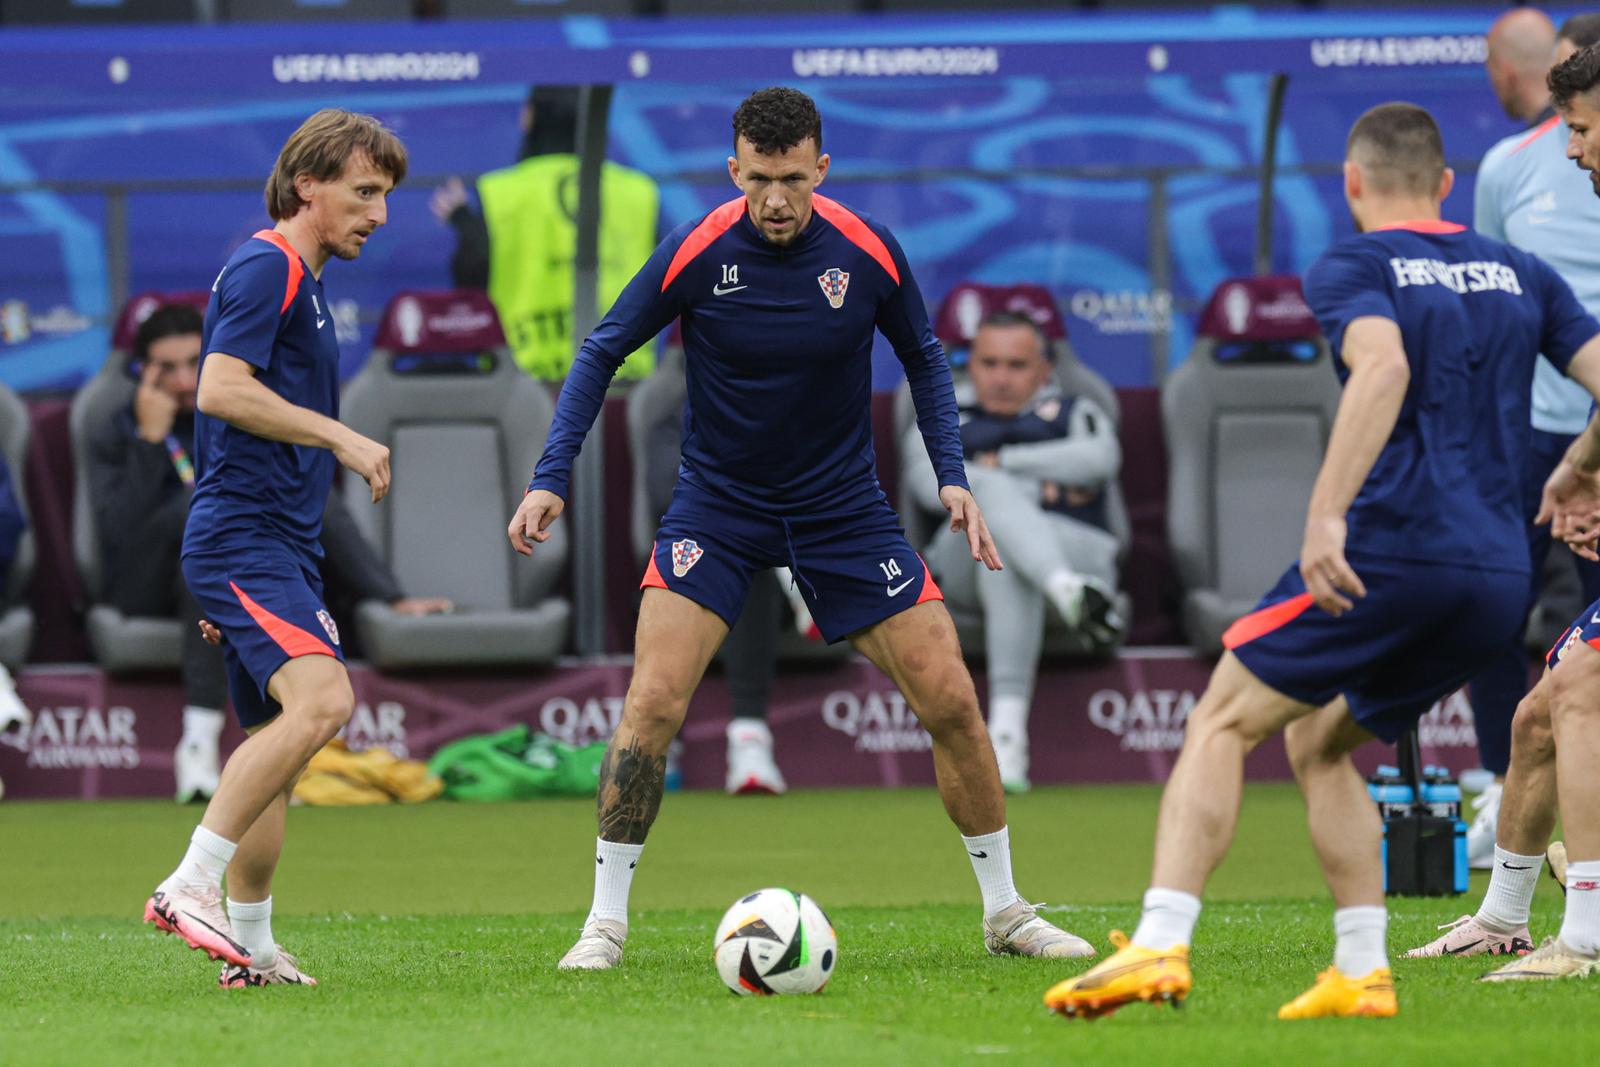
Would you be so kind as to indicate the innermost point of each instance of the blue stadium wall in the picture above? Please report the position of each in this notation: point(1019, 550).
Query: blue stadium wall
point(1107, 157)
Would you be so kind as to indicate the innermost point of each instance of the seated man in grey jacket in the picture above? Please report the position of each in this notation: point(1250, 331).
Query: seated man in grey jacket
point(1040, 460)
point(141, 477)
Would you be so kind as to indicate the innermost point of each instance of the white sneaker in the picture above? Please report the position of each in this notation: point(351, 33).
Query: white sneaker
point(284, 970)
point(193, 914)
point(1011, 752)
point(1480, 835)
point(12, 710)
point(1017, 930)
point(196, 769)
point(751, 768)
point(599, 947)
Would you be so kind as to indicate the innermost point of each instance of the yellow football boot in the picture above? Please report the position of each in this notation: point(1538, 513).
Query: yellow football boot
point(1131, 974)
point(1337, 994)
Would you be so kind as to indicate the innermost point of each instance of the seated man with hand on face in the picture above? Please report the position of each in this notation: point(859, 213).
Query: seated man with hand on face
point(142, 477)
point(1041, 460)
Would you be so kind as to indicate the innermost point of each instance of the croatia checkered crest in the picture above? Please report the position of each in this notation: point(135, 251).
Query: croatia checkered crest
point(685, 554)
point(834, 282)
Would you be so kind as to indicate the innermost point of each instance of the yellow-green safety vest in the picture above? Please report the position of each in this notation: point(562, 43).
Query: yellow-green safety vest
point(529, 210)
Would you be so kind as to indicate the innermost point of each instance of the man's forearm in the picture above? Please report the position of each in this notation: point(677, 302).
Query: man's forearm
point(1584, 452)
point(1366, 417)
point(252, 407)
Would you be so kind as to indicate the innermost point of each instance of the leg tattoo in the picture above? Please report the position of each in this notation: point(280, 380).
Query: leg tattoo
point(630, 793)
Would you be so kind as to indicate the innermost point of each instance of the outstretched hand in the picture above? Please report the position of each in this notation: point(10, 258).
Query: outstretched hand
point(1571, 505)
point(531, 523)
point(964, 515)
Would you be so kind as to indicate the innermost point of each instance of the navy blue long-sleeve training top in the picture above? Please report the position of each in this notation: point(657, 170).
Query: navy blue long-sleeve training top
point(778, 343)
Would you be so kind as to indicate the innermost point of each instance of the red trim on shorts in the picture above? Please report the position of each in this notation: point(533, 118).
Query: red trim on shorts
point(1565, 634)
point(652, 575)
point(297, 269)
point(858, 232)
point(1263, 622)
point(290, 638)
point(1537, 132)
point(930, 588)
point(711, 227)
point(1423, 226)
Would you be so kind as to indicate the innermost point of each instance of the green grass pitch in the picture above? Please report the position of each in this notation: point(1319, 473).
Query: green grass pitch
point(435, 931)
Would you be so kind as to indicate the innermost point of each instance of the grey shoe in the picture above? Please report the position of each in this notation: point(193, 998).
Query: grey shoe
point(1017, 930)
point(599, 947)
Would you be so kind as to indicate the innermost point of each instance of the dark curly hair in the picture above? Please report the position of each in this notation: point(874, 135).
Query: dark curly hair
point(775, 120)
point(168, 320)
point(1579, 73)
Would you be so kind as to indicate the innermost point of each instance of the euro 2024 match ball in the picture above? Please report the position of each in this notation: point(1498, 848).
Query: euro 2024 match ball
point(775, 942)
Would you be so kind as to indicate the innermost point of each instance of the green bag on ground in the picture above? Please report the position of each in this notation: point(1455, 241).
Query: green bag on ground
point(515, 764)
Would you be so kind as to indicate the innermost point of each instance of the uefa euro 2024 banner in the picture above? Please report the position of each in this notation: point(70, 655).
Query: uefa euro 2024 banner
point(1106, 158)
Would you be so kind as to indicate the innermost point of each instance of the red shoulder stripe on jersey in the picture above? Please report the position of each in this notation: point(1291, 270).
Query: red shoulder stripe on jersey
point(1423, 226)
point(711, 227)
point(1537, 132)
point(296, 271)
point(859, 233)
point(290, 638)
point(1263, 621)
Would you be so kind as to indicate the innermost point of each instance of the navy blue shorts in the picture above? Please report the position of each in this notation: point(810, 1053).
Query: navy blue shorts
point(854, 569)
point(267, 601)
point(1420, 633)
point(1585, 628)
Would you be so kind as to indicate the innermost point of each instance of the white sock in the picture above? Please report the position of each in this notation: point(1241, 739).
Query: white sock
point(1359, 950)
point(1065, 590)
point(1505, 906)
point(1168, 919)
point(207, 859)
point(252, 928)
point(1008, 716)
point(613, 877)
point(991, 862)
point(1580, 927)
point(201, 726)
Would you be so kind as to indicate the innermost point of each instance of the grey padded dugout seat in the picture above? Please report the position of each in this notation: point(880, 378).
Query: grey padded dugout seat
point(959, 315)
point(655, 423)
point(1247, 419)
point(16, 618)
point(119, 642)
point(464, 427)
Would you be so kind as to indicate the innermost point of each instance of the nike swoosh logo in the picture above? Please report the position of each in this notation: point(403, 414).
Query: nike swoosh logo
point(720, 291)
point(1459, 949)
point(1595, 617)
point(1509, 867)
point(895, 590)
point(320, 322)
point(632, 865)
point(980, 855)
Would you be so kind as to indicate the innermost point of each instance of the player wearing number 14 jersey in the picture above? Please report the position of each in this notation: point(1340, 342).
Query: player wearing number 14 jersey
point(779, 293)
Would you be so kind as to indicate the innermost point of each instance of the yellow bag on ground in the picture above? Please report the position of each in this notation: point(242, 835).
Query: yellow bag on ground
point(338, 776)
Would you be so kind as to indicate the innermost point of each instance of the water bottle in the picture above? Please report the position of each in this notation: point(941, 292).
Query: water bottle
point(1442, 794)
point(1391, 793)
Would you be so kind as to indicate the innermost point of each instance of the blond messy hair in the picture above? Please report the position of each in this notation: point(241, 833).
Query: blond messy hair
point(322, 147)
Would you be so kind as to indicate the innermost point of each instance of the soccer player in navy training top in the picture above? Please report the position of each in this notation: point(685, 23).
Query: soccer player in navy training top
point(267, 442)
point(779, 291)
point(1413, 569)
point(1563, 711)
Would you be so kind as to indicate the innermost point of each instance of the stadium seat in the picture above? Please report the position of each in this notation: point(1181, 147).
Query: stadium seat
point(16, 618)
point(119, 642)
point(653, 403)
point(1247, 419)
point(464, 427)
point(956, 323)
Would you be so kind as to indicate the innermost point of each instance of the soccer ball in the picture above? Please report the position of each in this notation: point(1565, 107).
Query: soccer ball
point(775, 942)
